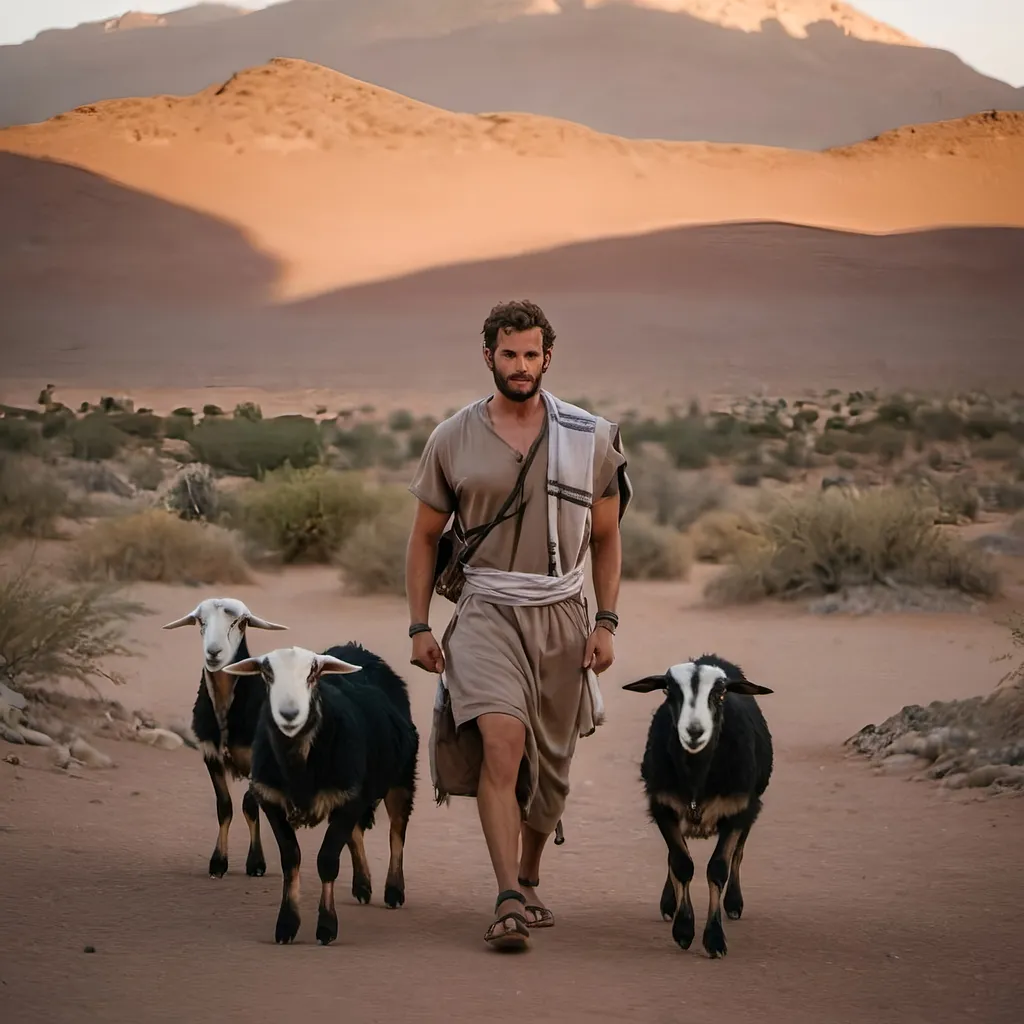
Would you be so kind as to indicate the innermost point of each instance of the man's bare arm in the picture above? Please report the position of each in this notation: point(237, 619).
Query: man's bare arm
point(606, 552)
point(420, 559)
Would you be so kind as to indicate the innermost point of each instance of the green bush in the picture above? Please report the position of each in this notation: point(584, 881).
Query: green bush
point(95, 437)
point(252, 448)
point(940, 424)
point(998, 448)
point(144, 425)
point(304, 515)
point(653, 552)
point(177, 427)
point(400, 421)
point(824, 542)
point(366, 445)
point(145, 471)
point(18, 435)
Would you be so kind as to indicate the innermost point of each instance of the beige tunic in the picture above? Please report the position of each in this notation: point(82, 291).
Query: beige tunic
point(520, 661)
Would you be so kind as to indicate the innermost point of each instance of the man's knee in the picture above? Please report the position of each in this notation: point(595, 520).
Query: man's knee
point(504, 742)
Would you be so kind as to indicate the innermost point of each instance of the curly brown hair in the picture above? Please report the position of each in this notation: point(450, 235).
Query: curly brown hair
point(517, 315)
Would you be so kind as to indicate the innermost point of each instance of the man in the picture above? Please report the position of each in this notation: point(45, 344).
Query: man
point(517, 664)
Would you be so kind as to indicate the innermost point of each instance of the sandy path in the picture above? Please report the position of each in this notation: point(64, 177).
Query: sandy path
point(868, 898)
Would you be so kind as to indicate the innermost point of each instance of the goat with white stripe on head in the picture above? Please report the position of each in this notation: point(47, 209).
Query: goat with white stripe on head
point(707, 762)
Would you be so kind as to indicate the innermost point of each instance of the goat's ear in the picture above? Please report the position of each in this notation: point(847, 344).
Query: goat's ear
point(245, 667)
point(327, 663)
point(648, 684)
point(257, 623)
point(745, 686)
point(185, 620)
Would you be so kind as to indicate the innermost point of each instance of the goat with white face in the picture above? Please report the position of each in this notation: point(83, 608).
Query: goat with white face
point(707, 762)
point(331, 746)
point(224, 717)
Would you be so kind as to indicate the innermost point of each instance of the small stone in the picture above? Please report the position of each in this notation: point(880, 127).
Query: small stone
point(984, 776)
point(10, 735)
point(902, 764)
point(12, 698)
point(36, 739)
point(90, 949)
point(89, 755)
point(163, 739)
point(958, 781)
point(13, 759)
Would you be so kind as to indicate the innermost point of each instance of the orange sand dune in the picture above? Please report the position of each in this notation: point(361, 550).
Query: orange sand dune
point(343, 182)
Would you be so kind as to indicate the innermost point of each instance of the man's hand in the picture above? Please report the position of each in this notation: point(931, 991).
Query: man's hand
point(600, 652)
point(426, 653)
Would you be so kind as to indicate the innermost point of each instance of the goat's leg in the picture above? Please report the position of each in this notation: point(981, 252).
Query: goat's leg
point(398, 802)
point(291, 858)
point(340, 826)
point(733, 899)
point(718, 878)
point(219, 778)
point(255, 862)
point(362, 887)
point(680, 873)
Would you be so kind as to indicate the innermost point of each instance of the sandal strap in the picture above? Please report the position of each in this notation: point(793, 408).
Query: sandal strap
point(527, 883)
point(509, 894)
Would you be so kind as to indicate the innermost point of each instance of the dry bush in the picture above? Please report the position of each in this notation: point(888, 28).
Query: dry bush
point(718, 536)
point(651, 551)
point(193, 494)
point(158, 547)
point(673, 497)
point(145, 470)
point(249, 447)
point(48, 633)
point(831, 540)
point(372, 559)
point(304, 515)
point(31, 499)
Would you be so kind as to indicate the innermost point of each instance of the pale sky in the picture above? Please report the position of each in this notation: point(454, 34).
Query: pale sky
point(987, 34)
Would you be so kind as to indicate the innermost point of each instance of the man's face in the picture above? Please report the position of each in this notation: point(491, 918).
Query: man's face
point(518, 363)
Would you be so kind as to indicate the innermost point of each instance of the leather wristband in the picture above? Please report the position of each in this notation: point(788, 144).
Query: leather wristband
point(419, 627)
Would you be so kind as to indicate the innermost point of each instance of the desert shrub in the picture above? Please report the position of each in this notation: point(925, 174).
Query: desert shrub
point(416, 440)
point(372, 559)
point(822, 543)
point(653, 552)
point(178, 427)
point(212, 410)
point(193, 494)
point(998, 448)
point(31, 498)
point(248, 411)
point(304, 515)
point(253, 447)
point(939, 424)
point(144, 425)
point(717, 536)
point(56, 421)
point(984, 424)
point(686, 442)
point(897, 411)
point(48, 633)
point(888, 442)
point(96, 478)
point(747, 476)
point(145, 471)
point(846, 460)
point(158, 547)
point(401, 420)
point(18, 435)
point(95, 437)
point(1006, 496)
point(674, 498)
point(366, 445)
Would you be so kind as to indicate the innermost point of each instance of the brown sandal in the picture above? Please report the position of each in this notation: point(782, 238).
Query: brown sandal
point(520, 935)
point(544, 917)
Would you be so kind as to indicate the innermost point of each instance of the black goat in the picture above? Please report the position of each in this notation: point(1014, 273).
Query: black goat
point(707, 762)
point(332, 748)
point(224, 717)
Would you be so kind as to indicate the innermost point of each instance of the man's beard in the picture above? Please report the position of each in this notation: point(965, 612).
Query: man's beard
point(502, 384)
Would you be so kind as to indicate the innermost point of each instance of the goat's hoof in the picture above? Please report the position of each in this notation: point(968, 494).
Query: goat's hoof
point(218, 865)
point(326, 928)
point(733, 905)
point(287, 926)
point(361, 889)
point(255, 866)
point(667, 906)
point(714, 941)
point(393, 896)
point(734, 913)
point(682, 929)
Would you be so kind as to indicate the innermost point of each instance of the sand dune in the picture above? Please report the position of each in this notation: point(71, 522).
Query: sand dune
point(145, 239)
point(796, 73)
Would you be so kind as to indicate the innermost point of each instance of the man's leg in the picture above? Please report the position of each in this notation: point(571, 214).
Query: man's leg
point(529, 869)
point(504, 742)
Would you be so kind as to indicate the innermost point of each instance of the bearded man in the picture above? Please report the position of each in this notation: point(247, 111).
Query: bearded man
point(533, 483)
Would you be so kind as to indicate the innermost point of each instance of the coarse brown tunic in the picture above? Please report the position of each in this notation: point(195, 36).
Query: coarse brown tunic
point(520, 661)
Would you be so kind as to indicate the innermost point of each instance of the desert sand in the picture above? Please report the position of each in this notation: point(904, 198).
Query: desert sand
point(800, 73)
point(867, 897)
point(153, 241)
